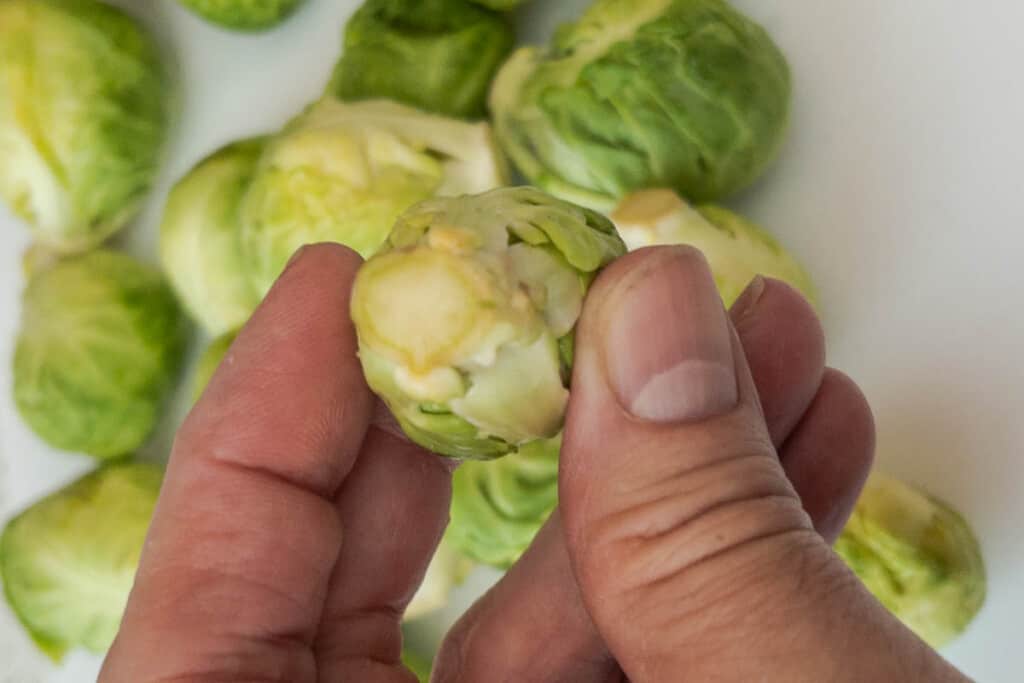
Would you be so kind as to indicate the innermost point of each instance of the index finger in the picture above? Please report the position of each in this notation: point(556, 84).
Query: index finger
point(246, 533)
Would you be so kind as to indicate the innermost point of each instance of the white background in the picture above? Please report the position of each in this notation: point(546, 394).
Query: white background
point(901, 189)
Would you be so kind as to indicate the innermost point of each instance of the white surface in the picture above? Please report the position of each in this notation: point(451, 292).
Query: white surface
point(901, 189)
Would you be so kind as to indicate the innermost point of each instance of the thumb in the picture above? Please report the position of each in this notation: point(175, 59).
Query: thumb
point(680, 522)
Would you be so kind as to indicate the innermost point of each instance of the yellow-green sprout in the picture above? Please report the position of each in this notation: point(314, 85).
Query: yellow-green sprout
point(438, 55)
point(243, 15)
point(200, 247)
point(84, 112)
point(501, 5)
point(211, 359)
point(917, 556)
point(419, 666)
point(68, 562)
point(344, 172)
point(100, 346)
point(447, 570)
point(685, 94)
point(498, 507)
point(736, 249)
point(466, 317)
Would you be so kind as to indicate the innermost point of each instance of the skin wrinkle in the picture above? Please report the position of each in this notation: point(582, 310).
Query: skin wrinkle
point(644, 520)
point(750, 580)
point(657, 562)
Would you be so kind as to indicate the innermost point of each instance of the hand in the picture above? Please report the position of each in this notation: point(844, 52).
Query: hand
point(705, 459)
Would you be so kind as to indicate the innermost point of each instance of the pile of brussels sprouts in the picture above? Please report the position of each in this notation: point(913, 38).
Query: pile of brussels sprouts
point(630, 127)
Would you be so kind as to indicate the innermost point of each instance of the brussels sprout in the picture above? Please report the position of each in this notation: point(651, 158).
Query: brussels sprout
point(68, 562)
point(498, 507)
point(209, 362)
point(83, 117)
point(736, 249)
point(917, 556)
point(243, 15)
point(419, 666)
point(447, 570)
point(466, 317)
point(345, 172)
point(101, 341)
point(438, 55)
point(501, 5)
point(686, 94)
point(199, 238)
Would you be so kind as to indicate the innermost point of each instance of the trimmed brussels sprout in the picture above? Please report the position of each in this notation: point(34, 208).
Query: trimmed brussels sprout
point(465, 318)
point(243, 15)
point(345, 172)
point(736, 249)
point(83, 118)
point(498, 507)
point(209, 362)
point(447, 570)
point(686, 94)
point(199, 238)
point(917, 556)
point(68, 562)
point(101, 342)
point(438, 55)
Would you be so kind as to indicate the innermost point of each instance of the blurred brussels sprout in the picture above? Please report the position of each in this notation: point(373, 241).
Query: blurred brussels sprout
point(685, 94)
point(101, 342)
point(447, 570)
point(917, 556)
point(501, 5)
point(438, 55)
point(345, 172)
point(243, 15)
point(199, 238)
point(465, 319)
point(209, 362)
point(83, 117)
point(736, 249)
point(68, 562)
point(498, 507)
point(419, 666)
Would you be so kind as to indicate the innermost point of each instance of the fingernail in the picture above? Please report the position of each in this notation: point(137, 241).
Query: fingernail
point(668, 347)
point(747, 301)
